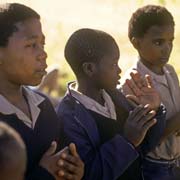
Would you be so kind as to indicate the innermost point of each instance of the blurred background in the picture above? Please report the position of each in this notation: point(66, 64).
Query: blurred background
point(60, 18)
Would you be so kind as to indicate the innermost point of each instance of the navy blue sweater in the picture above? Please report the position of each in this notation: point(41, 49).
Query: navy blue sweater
point(37, 140)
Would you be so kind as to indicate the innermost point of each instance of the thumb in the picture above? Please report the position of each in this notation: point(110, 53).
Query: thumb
point(51, 149)
point(73, 151)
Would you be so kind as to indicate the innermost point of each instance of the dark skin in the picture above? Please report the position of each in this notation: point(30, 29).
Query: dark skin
point(143, 91)
point(154, 49)
point(155, 46)
point(23, 62)
point(94, 80)
point(138, 89)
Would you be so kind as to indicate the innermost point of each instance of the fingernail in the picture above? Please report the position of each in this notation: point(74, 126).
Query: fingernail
point(60, 162)
point(146, 106)
point(61, 173)
point(64, 155)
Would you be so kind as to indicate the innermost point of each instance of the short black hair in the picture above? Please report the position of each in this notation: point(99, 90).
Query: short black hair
point(147, 16)
point(88, 45)
point(10, 14)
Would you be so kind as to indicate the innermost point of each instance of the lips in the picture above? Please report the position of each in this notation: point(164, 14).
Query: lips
point(164, 59)
point(119, 77)
point(42, 72)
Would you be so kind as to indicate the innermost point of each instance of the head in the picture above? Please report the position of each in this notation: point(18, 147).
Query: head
point(93, 56)
point(151, 31)
point(22, 55)
point(12, 154)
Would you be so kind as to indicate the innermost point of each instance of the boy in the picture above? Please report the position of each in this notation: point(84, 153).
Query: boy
point(23, 62)
point(151, 31)
point(94, 120)
point(12, 154)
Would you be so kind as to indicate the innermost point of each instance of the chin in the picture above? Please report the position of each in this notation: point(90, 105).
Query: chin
point(34, 83)
point(110, 88)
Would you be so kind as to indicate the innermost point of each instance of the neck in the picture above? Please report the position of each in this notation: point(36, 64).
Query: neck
point(11, 91)
point(154, 68)
point(88, 89)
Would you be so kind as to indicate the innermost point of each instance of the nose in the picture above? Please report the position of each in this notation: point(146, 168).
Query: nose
point(167, 48)
point(42, 54)
point(119, 69)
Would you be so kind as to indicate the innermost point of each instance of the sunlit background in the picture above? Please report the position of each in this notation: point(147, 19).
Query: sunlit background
point(60, 18)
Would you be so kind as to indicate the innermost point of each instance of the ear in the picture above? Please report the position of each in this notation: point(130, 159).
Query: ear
point(89, 68)
point(135, 42)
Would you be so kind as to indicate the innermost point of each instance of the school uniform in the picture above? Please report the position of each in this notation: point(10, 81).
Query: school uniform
point(164, 156)
point(37, 132)
point(96, 130)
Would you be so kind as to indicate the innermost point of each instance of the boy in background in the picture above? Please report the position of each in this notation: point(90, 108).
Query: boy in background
point(151, 31)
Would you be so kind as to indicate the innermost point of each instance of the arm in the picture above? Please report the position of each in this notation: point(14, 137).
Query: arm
point(141, 91)
point(57, 163)
point(65, 164)
point(107, 161)
point(154, 135)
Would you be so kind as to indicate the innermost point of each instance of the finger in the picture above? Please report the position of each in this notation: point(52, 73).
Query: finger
point(51, 149)
point(133, 100)
point(145, 118)
point(149, 80)
point(134, 88)
point(139, 114)
point(134, 114)
point(65, 174)
point(67, 166)
point(72, 149)
point(138, 80)
point(73, 160)
point(149, 124)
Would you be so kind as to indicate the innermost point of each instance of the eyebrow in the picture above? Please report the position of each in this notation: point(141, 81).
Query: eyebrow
point(34, 37)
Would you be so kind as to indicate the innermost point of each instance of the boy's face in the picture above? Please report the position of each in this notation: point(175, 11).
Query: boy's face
point(155, 46)
point(107, 72)
point(23, 60)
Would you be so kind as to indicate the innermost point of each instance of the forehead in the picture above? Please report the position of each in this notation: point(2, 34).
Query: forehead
point(160, 31)
point(28, 29)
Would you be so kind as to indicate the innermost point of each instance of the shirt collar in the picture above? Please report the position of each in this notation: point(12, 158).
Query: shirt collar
point(108, 110)
point(158, 78)
point(33, 99)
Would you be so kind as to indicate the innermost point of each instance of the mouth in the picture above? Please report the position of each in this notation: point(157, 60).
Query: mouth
point(164, 59)
point(118, 80)
point(42, 72)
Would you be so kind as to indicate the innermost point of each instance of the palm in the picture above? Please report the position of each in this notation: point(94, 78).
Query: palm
point(142, 91)
point(149, 96)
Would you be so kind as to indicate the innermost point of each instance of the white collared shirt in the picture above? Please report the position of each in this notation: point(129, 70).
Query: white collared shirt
point(168, 87)
point(33, 99)
point(108, 110)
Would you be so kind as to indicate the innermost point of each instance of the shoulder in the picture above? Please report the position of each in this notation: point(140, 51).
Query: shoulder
point(68, 106)
point(171, 71)
point(169, 68)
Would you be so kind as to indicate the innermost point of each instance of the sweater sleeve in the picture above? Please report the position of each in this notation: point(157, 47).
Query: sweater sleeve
point(155, 133)
point(106, 161)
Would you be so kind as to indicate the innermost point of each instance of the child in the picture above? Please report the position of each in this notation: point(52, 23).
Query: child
point(23, 62)
point(12, 154)
point(92, 118)
point(151, 31)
